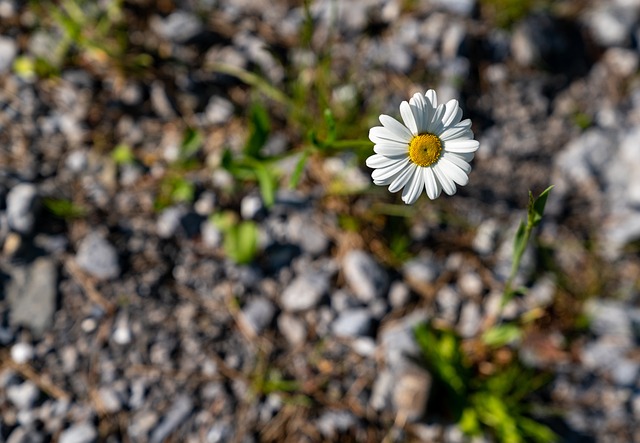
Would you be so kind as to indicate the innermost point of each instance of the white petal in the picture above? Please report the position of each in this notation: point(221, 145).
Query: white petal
point(392, 151)
point(387, 174)
point(455, 132)
point(456, 160)
point(452, 110)
point(431, 185)
point(379, 161)
point(431, 96)
point(461, 145)
point(466, 156)
point(420, 109)
point(447, 184)
point(401, 180)
point(413, 189)
point(453, 172)
point(398, 129)
point(380, 134)
point(436, 120)
point(408, 117)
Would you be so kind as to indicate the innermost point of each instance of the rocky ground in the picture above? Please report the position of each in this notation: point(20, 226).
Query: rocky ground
point(123, 319)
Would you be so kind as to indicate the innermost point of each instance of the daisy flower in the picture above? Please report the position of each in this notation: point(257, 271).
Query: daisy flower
point(430, 151)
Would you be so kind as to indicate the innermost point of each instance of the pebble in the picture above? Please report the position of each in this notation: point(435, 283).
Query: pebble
point(399, 294)
point(470, 284)
point(352, 323)
point(292, 328)
point(98, 257)
point(258, 314)
point(8, 52)
point(110, 400)
point(79, 433)
point(332, 423)
point(34, 284)
point(22, 207)
point(24, 395)
point(364, 276)
point(177, 414)
point(470, 319)
point(485, 240)
point(421, 271)
point(410, 393)
point(21, 353)
point(396, 340)
point(179, 26)
point(609, 318)
point(251, 207)
point(219, 110)
point(305, 292)
point(169, 221)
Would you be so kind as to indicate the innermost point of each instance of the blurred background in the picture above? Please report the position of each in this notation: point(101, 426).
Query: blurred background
point(192, 249)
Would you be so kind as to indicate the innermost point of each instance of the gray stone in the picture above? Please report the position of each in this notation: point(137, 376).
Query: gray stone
point(609, 317)
point(484, 243)
point(364, 276)
point(250, 206)
point(24, 395)
point(8, 51)
point(179, 26)
point(399, 294)
point(21, 353)
point(22, 207)
point(211, 234)
point(258, 314)
point(421, 272)
point(381, 390)
point(470, 319)
point(79, 433)
point(110, 400)
point(462, 7)
point(448, 302)
point(604, 353)
point(625, 372)
point(470, 284)
point(305, 292)
point(98, 257)
point(410, 393)
point(610, 24)
point(397, 341)
point(332, 423)
point(219, 110)
point(169, 221)
point(30, 286)
point(176, 415)
point(352, 323)
point(292, 329)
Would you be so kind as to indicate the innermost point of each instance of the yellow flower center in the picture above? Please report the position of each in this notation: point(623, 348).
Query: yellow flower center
point(425, 149)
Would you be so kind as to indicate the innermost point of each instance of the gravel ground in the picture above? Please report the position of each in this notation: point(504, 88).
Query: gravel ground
point(123, 320)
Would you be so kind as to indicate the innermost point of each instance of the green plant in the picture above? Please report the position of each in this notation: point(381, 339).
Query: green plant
point(65, 209)
point(496, 402)
point(240, 238)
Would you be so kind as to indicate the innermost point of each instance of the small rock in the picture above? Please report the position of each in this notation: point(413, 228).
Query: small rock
point(79, 433)
point(462, 7)
point(609, 318)
point(179, 411)
point(8, 51)
point(399, 295)
point(211, 235)
point(421, 272)
point(448, 302)
point(381, 390)
point(258, 314)
point(470, 320)
point(484, 243)
point(206, 204)
point(470, 284)
point(251, 207)
point(352, 323)
point(21, 353)
point(364, 346)
point(219, 110)
point(397, 340)
point(98, 257)
point(32, 285)
point(179, 26)
point(611, 25)
point(625, 372)
point(169, 221)
point(122, 333)
point(22, 207)
point(364, 276)
point(332, 423)
point(292, 328)
point(410, 393)
point(24, 395)
point(110, 400)
point(305, 292)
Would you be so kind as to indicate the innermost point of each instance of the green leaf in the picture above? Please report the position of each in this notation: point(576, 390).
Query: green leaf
point(469, 422)
point(64, 208)
point(259, 129)
point(267, 182)
point(536, 207)
point(122, 154)
point(502, 335)
point(536, 431)
point(331, 126)
point(191, 144)
point(296, 175)
point(241, 242)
